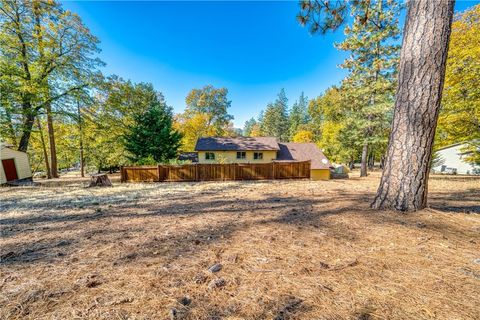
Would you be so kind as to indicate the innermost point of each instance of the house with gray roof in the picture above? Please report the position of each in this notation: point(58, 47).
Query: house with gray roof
point(262, 150)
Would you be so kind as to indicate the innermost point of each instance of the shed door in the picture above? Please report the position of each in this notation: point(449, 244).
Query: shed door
point(10, 170)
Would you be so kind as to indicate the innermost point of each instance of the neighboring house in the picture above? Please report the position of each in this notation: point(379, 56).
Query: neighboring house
point(14, 164)
point(452, 160)
point(262, 150)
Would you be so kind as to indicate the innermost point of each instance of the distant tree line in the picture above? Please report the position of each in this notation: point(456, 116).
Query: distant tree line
point(57, 105)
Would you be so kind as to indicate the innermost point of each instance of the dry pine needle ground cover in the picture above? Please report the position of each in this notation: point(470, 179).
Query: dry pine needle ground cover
point(285, 249)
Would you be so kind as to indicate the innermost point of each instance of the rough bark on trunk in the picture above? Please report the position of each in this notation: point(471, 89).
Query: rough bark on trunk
point(371, 161)
point(80, 129)
point(363, 166)
point(28, 111)
point(27, 127)
point(51, 139)
point(351, 164)
point(403, 185)
point(82, 159)
point(100, 180)
point(44, 148)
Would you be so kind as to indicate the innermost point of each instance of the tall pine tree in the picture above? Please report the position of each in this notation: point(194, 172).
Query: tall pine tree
point(372, 68)
point(422, 65)
point(298, 116)
point(249, 126)
point(275, 119)
point(152, 137)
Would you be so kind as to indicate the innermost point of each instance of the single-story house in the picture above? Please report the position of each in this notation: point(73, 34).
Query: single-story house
point(14, 164)
point(262, 150)
point(452, 160)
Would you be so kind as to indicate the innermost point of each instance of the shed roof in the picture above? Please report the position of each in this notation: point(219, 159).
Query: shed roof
point(11, 148)
point(236, 144)
point(5, 145)
point(470, 142)
point(303, 152)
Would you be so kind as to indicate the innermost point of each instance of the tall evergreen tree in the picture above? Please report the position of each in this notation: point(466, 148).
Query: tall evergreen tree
point(152, 136)
point(249, 126)
point(298, 115)
point(372, 67)
point(275, 118)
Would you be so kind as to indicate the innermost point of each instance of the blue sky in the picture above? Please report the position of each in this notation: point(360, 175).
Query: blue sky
point(252, 48)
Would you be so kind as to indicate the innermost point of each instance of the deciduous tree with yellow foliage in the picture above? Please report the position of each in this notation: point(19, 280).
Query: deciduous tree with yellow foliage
point(206, 114)
point(459, 118)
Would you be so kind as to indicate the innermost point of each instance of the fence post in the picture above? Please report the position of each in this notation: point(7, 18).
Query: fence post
point(273, 170)
point(122, 179)
point(158, 172)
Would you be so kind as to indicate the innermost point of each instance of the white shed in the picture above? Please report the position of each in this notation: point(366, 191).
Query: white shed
point(14, 164)
point(453, 160)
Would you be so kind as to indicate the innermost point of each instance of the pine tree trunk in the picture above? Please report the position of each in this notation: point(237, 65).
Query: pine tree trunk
point(44, 148)
point(371, 160)
point(351, 164)
point(363, 166)
point(82, 159)
point(403, 185)
point(51, 139)
point(80, 129)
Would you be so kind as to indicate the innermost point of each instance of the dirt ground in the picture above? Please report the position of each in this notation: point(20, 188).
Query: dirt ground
point(286, 249)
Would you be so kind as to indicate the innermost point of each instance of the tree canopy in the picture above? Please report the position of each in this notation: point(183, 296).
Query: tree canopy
point(206, 114)
point(152, 137)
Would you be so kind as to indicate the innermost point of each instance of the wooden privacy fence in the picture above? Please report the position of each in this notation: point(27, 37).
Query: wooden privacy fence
point(217, 172)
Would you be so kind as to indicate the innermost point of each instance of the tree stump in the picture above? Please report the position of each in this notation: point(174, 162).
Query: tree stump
point(100, 180)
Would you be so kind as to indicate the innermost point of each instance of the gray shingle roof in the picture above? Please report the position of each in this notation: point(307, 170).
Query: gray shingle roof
point(303, 152)
point(236, 144)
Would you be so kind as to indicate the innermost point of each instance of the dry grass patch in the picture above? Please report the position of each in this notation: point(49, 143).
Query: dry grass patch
point(287, 250)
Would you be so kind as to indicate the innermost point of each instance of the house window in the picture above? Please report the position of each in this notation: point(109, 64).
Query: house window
point(257, 155)
point(241, 155)
point(209, 156)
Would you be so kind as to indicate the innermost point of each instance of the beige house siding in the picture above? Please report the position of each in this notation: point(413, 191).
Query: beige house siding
point(231, 157)
point(320, 174)
point(21, 163)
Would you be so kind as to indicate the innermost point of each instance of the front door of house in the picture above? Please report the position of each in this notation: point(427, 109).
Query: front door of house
point(10, 169)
